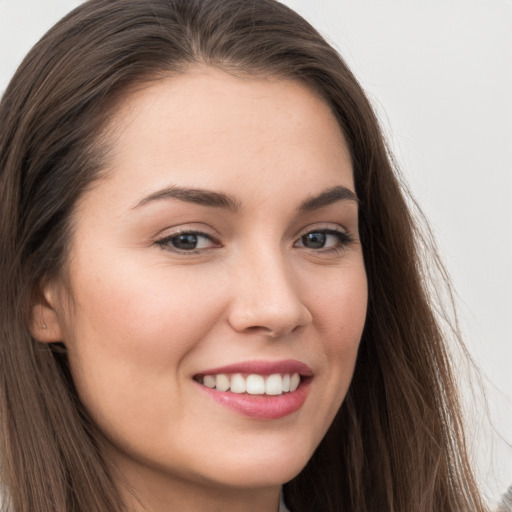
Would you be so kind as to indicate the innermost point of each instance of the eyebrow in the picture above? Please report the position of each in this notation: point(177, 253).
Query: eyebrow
point(196, 196)
point(220, 200)
point(328, 197)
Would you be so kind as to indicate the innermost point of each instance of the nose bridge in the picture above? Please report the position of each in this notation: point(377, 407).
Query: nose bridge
point(266, 296)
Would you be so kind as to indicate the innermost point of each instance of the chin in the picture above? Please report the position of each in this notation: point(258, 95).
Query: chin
point(256, 477)
point(275, 467)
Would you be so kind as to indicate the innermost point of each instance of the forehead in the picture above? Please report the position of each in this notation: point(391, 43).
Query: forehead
point(210, 128)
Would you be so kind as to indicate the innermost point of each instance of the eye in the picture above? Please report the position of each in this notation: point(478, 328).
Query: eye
point(189, 241)
point(324, 239)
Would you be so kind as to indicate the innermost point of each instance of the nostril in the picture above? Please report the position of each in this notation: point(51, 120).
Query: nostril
point(268, 304)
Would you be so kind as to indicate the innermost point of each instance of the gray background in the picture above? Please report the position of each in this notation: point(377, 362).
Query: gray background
point(439, 74)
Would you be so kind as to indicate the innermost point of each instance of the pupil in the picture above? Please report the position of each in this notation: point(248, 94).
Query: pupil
point(188, 241)
point(314, 240)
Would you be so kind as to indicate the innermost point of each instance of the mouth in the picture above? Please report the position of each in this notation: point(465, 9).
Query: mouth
point(252, 384)
point(263, 390)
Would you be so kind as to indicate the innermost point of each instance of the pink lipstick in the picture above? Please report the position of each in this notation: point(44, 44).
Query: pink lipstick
point(259, 389)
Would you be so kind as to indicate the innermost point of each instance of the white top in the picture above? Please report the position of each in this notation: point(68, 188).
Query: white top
point(282, 506)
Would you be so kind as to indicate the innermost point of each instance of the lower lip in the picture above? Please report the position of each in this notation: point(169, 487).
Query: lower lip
point(264, 407)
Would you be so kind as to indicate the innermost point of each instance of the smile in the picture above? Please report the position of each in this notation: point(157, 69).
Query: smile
point(252, 384)
point(262, 390)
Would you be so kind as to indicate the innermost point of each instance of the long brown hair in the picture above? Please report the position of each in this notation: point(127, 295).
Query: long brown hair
point(397, 443)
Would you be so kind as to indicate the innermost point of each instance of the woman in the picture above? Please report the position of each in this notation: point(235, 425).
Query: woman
point(211, 277)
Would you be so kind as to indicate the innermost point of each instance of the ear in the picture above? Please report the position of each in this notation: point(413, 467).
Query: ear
point(46, 317)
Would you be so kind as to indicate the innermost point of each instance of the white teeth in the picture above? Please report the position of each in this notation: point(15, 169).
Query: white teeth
point(286, 383)
point(238, 384)
point(274, 385)
point(294, 381)
point(222, 382)
point(253, 384)
point(209, 381)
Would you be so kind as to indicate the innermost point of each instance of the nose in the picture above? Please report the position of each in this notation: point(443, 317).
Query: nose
point(266, 298)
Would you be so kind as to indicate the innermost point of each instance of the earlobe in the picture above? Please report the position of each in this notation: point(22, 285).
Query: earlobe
point(45, 322)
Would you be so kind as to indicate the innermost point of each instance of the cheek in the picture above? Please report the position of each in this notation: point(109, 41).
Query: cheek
point(131, 332)
point(340, 313)
point(145, 313)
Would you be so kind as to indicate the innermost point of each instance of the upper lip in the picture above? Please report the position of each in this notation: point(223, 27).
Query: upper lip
point(263, 368)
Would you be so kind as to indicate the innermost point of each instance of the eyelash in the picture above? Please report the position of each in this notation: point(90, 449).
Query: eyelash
point(166, 243)
point(344, 239)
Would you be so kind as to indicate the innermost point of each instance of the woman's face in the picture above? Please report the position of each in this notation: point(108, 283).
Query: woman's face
point(221, 248)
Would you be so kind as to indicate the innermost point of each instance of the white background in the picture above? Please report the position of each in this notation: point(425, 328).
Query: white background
point(440, 76)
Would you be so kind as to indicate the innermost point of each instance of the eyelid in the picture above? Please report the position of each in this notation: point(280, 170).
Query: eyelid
point(332, 229)
point(164, 241)
point(179, 229)
point(323, 227)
